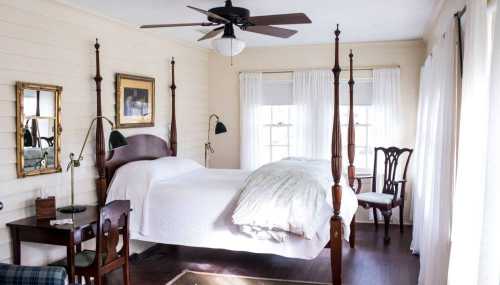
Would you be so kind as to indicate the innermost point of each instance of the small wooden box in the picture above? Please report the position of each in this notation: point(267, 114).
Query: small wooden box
point(45, 208)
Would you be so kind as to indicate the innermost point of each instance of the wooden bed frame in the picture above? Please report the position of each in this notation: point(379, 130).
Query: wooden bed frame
point(149, 147)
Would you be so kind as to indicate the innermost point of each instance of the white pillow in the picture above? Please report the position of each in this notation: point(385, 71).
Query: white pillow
point(146, 172)
point(133, 181)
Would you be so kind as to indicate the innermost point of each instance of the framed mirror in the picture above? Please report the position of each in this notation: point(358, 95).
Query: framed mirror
point(38, 136)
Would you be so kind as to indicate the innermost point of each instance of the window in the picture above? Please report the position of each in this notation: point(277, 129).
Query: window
point(277, 132)
point(363, 129)
point(363, 157)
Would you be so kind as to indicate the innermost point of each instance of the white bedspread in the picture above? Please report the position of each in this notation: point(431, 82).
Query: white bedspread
point(289, 196)
point(182, 203)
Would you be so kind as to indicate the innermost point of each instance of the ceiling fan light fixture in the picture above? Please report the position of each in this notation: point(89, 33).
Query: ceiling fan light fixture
point(228, 46)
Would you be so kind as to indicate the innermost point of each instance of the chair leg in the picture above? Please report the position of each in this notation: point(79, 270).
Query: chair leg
point(87, 280)
point(352, 236)
point(375, 218)
point(126, 274)
point(401, 214)
point(387, 219)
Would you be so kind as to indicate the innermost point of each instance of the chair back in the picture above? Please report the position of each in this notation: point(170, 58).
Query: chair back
point(113, 222)
point(391, 160)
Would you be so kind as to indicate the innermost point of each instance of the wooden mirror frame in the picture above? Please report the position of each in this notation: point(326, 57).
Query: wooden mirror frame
point(57, 90)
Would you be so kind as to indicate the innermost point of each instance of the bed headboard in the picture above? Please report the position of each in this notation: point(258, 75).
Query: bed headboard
point(140, 147)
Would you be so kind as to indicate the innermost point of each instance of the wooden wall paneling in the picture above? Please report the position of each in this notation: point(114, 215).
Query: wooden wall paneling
point(49, 42)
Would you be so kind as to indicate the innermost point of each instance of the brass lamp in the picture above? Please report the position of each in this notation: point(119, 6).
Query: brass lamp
point(219, 129)
point(116, 140)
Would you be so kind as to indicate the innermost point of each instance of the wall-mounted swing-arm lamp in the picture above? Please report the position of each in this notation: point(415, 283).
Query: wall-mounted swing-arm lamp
point(219, 129)
point(116, 140)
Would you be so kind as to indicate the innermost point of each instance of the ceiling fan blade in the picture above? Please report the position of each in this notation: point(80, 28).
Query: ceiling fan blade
point(175, 25)
point(271, 31)
point(280, 19)
point(210, 14)
point(213, 33)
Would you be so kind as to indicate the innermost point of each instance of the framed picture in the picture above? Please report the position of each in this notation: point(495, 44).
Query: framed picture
point(135, 101)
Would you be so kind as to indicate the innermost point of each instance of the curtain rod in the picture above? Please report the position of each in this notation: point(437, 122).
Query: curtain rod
point(458, 15)
point(361, 68)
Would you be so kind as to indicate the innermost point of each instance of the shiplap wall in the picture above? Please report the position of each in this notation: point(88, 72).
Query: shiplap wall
point(47, 41)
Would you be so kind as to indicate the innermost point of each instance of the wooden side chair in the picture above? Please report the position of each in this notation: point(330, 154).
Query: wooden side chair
point(393, 190)
point(113, 221)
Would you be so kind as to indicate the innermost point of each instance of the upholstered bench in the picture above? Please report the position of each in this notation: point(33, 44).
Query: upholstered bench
point(32, 275)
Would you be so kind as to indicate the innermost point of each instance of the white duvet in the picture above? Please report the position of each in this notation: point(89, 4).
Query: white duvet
point(289, 196)
point(177, 201)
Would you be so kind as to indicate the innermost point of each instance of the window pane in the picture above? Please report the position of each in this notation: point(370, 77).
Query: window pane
point(266, 156)
point(279, 152)
point(360, 114)
point(360, 136)
point(266, 113)
point(280, 114)
point(362, 158)
point(266, 135)
point(343, 134)
point(279, 136)
point(291, 135)
point(344, 114)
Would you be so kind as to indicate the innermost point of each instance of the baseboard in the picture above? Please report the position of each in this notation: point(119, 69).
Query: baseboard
point(381, 222)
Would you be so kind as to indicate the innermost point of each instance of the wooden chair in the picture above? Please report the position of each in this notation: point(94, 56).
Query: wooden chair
point(393, 191)
point(113, 222)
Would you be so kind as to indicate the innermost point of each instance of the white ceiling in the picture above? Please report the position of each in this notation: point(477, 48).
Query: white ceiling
point(360, 20)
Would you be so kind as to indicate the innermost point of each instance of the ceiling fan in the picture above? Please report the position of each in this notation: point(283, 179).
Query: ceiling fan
point(225, 18)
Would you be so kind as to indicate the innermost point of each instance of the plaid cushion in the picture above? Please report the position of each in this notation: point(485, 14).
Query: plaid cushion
point(31, 275)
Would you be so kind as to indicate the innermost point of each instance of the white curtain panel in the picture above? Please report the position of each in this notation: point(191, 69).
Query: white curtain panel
point(312, 116)
point(422, 153)
point(386, 119)
point(475, 254)
point(386, 102)
point(434, 167)
point(489, 251)
point(251, 121)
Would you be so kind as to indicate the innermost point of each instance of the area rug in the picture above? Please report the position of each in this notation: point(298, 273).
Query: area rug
point(188, 277)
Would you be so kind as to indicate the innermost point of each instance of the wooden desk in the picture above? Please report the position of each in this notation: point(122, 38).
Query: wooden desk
point(32, 230)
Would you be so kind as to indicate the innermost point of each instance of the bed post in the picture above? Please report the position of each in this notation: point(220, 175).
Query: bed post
point(336, 220)
point(173, 123)
point(100, 150)
point(351, 171)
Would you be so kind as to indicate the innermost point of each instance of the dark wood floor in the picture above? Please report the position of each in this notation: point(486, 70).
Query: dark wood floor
point(370, 263)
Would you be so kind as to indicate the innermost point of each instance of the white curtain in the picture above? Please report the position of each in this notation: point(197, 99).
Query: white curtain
point(386, 119)
point(312, 114)
point(251, 123)
point(386, 104)
point(489, 251)
point(434, 166)
point(475, 254)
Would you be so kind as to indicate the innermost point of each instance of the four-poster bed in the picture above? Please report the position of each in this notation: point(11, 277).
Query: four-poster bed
point(148, 148)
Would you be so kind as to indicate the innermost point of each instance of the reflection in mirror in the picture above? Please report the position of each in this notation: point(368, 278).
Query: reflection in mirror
point(38, 128)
